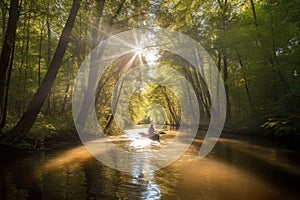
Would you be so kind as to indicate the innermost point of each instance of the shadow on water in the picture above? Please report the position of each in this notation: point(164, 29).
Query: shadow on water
point(277, 166)
point(234, 170)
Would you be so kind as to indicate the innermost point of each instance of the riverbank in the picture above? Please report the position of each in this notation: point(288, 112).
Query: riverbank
point(66, 139)
point(56, 142)
point(290, 142)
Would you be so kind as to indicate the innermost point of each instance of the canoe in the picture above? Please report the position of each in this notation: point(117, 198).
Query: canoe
point(154, 137)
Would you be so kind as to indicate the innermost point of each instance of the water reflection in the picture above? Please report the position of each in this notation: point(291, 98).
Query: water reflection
point(143, 174)
point(234, 170)
point(72, 158)
point(137, 143)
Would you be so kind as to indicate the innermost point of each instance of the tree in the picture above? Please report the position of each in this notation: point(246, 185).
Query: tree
point(6, 57)
point(34, 107)
point(93, 73)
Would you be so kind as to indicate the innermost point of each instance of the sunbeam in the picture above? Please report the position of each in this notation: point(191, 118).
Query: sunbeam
point(107, 33)
point(144, 53)
point(129, 63)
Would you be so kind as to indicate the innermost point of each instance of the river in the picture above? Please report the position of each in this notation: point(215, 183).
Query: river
point(235, 169)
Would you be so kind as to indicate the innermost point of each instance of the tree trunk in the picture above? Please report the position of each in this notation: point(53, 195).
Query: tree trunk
point(255, 23)
point(174, 118)
point(3, 12)
point(205, 99)
point(225, 63)
point(40, 55)
point(30, 115)
point(277, 72)
point(93, 72)
point(254, 12)
point(63, 106)
point(5, 103)
point(114, 105)
point(49, 53)
point(7, 49)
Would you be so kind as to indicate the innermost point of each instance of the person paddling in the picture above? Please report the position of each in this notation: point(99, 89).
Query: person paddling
point(151, 131)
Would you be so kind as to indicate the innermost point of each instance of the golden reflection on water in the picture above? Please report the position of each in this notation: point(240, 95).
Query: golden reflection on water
point(187, 178)
point(72, 158)
point(211, 179)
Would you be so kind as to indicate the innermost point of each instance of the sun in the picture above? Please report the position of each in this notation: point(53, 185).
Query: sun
point(150, 55)
point(138, 50)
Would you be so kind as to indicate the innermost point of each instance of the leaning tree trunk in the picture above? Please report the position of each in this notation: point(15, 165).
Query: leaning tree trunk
point(7, 48)
point(93, 73)
point(34, 107)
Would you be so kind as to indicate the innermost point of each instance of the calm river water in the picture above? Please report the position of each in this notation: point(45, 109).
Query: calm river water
point(235, 169)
